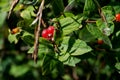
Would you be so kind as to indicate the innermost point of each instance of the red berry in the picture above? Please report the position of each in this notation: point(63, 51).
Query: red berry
point(100, 41)
point(45, 33)
point(117, 17)
point(51, 30)
point(50, 35)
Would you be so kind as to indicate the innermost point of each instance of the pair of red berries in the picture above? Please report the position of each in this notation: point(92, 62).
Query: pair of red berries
point(48, 33)
point(117, 17)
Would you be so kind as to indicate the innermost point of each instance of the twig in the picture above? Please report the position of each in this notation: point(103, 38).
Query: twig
point(101, 13)
point(14, 3)
point(37, 33)
point(88, 76)
point(38, 13)
point(43, 23)
point(74, 74)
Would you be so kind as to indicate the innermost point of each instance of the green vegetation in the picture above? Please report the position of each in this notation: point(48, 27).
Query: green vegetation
point(59, 40)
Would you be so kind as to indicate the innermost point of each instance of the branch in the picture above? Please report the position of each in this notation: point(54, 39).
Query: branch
point(14, 3)
point(37, 33)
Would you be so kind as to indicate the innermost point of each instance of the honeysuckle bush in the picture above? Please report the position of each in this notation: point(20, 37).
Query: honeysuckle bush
point(74, 52)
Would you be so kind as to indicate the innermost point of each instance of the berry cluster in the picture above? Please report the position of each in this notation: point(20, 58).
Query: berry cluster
point(48, 33)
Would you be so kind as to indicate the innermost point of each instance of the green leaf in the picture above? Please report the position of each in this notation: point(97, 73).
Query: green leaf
point(60, 67)
point(2, 18)
point(70, 1)
point(57, 6)
point(89, 7)
point(95, 31)
point(25, 25)
point(18, 71)
point(48, 65)
point(13, 38)
point(64, 44)
point(106, 28)
point(107, 40)
point(71, 47)
point(117, 65)
point(74, 47)
point(45, 47)
point(4, 5)
point(27, 34)
point(116, 41)
point(72, 61)
point(117, 8)
point(64, 57)
point(108, 12)
point(25, 14)
point(28, 12)
point(70, 24)
point(85, 35)
point(29, 2)
point(31, 50)
point(28, 38)
point(66, 14)
point(31, 10)
point(71, 4)
point(4, 64)
point(79, 48)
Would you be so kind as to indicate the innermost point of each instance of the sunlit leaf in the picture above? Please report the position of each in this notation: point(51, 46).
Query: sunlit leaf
point(13, 38)
point(98, 34)
point(64, 57)
point(108, 13)
point(74, 47)
point(25, 14)
point(18, 71)
point(70, 24)
point(117, 65)
point(72, 61)
point(106, 28)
